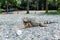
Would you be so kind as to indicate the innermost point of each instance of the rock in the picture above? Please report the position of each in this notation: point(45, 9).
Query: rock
point(27, 38)
point(8, 31)
point(18, 32)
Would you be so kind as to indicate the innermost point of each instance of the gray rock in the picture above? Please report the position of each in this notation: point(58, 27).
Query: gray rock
point(10, 21)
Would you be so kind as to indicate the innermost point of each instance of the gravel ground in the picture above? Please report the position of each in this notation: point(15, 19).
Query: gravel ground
point(9, 22)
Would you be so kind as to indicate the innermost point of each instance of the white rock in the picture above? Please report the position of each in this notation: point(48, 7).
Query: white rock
point(27, 38)
point(19, 32)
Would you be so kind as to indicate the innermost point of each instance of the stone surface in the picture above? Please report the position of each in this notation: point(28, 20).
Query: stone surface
point(9, 22)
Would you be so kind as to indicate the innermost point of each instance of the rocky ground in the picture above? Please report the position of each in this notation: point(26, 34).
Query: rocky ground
point(10, 22)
